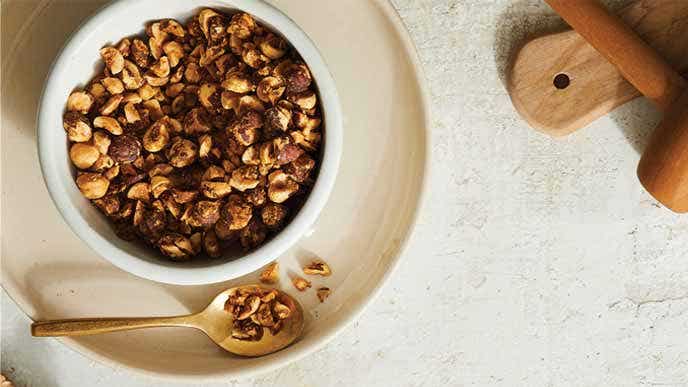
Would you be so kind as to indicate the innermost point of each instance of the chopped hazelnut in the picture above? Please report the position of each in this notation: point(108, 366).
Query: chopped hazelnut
point(157, 136)
point(140, 52)
point(273, 214)
point(113, 85)
point(253, 234)
point(270, 89)
point(305, 100)
point(196, 121)
point(139, 191)
point(101, 141)
point(246, 177)
point(300, 284)
point(270, 274)
point(182, 153)
point(159, 184)
point(161, 68)
point(192, 73)
point(273, 46)
point(113, 58)
point(83, 155)
point(242, 25)
point(108, 123)
point(77, 127)
point(124, 149)
point(131, 113)
point(211, 245)
point(103, 163)
point(238, 82)
point(281, 186)
point(174, 52)
point(111, 105)
point(205, 213)
point(92, 185)
point(154, 108)
point(131, 76)
point(298, 78)
point(79, 101)
point(323, 293)
point(176, 246)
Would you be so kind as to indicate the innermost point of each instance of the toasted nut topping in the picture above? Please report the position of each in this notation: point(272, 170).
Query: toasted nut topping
point(161, 68)
point(323, 293)
point(211, 245)
point(176, 246)
point(97, 91)
point(205, 213)
point(108, 123)
point(154, 108)
point(205, 93)
point(242, 26)
point(113, 85)
point(111, 172)
point(103, 163)
point(246, 177)
point(156, 81)
point(111, 105)
point(92, 185)
point(270, 274)
point(205, 143)
point(213, 173)
point(174, 51)
point(159, 184)
point(124, 46)
point(215, 189)
point(79, 101)
point(83, 155)
point(155, 45)
point(273, 46)
point(131, 76)
point(139, 191)
point(273, 215)
point(157, 136)
point(238, 82)
point(124, 149)
point(253, 57)
point(77, 127)
point(196, 122)
point(131, 113)
point(317, 268)
point(192, 73)
point(182, 153)
point(172, 27)
point(113, 59)
point(270, 89)
point(300, 284)
point(140, 52)
point(298, 78)
point(173, 91)
point(147, 92)
point(305, 100)
point(250, 102)
point(101, 141)
point(281, 187)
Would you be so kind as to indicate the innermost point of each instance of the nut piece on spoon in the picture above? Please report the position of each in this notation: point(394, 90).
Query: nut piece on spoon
point(245, 320)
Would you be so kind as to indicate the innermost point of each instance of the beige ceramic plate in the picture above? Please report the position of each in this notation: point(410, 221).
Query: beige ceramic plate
point(50, 273)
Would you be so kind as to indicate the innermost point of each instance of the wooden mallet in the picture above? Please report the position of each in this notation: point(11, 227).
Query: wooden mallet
point(663, 167)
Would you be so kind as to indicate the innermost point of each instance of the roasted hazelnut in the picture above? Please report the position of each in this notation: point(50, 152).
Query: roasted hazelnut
point(273, 46)
point(124, 46)
point(204, 18)
point(300, 284)
point(111, 172)
point(253, 234)
point(83, 155)
point(281, 68)
point(223, 63)
point(230, 100)
point(256, 196)
point(251, 156)
point(174, 52)
point(196, 122)
point(173, 91)
point(236, 213)
point(111, 105)
point(209, 96)
point(236, 45)
point(108, 123)
point(182, 153)
point(140, 52)
point(101, 141)
point(246, 130)
point(161, 169)
point(114, 60)
point(281, 186)
point(270, 274)
point(213, 173)
point(250, 102)
point(131, 113)
point(124, 149)
point(159, 184)
point(139, 191)
point(192, 73)
point(211, 245)
point(305, 100)
point(323, 293)
point(97, 91)
point(153, 80)
point(246, 177)
point(157, 136)
point(79, 101)
point(172, 27)
point(154, 109)
point(205, 144)
point(297, 78)
point(183, 197)
point(131, 76)
point(205, 213)
point(215, 189)
point(108, 204)
point(238, 82)
point(103, 163)
point(270, 89)
point(288, 152)
point(273, 215)
point(161, 68)
point(134, 98)
point(253, 57)
point(113, 85)
point(92, 185)
point(241, 26)
point(155, 45)
point(309, 142)
point(147, 92)
point(176, 246)
point(209, 55)
point(300, 169)
point(76, 126)
point(277, 118)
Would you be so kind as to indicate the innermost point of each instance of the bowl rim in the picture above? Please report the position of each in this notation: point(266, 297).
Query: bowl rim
point(170, 272)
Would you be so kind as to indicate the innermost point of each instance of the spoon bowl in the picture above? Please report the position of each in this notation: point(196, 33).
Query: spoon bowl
point(215, 321)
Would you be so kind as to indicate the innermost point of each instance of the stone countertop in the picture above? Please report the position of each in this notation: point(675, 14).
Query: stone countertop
point(536, 262)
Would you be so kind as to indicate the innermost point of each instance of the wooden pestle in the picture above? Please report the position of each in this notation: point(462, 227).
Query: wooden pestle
point(663, 167)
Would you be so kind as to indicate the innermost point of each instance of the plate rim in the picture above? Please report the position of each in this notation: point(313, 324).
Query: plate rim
point(357, 310)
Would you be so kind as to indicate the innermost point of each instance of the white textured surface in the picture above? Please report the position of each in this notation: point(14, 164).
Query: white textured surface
point(536, 262)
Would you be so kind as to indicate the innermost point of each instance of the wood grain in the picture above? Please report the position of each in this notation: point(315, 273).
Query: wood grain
point(596, 86)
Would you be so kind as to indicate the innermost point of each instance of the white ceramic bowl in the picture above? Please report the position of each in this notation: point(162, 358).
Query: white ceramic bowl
point(75, 66)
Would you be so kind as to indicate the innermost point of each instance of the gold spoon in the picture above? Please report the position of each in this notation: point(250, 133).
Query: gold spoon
point(214, 321)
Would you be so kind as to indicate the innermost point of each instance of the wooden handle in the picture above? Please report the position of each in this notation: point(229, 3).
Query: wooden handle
point(637, 61)
point(82, 327)
point(663, 168)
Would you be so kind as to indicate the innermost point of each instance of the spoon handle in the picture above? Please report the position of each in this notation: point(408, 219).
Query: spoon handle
point(92, 326)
